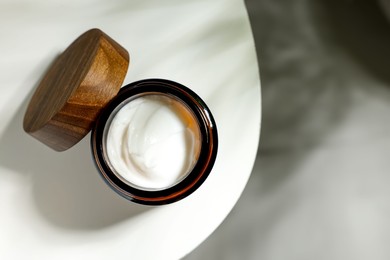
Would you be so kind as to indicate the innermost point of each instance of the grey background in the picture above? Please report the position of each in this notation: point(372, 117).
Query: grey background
point(319, 188)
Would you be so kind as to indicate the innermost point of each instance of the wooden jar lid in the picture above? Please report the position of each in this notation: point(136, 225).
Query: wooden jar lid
point(81, 81)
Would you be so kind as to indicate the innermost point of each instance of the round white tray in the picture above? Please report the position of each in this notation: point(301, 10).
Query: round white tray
point(55, 205)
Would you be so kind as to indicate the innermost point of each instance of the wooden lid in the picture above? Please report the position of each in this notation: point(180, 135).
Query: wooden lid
point(80, 82)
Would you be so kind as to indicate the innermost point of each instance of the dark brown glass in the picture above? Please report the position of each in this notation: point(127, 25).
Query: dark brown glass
point(208, 150)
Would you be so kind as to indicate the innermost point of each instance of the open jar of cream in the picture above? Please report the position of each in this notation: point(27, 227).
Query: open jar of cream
point(154, 142)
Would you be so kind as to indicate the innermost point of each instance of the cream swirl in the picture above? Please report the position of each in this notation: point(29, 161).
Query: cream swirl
point(153, 141)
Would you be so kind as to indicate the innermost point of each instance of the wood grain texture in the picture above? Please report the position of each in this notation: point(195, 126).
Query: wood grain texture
point(83, 79)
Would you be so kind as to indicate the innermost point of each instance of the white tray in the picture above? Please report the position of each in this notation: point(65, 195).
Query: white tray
point(55, 205)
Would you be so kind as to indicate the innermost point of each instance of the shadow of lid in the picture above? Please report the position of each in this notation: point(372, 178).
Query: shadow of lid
point(66, 187)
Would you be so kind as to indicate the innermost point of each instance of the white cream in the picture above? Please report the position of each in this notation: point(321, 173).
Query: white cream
point(153, 142)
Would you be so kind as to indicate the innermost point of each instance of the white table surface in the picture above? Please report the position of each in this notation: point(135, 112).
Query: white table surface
point(55, 205)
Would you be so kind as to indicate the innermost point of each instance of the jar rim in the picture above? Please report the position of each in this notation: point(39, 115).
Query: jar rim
point(207, 154)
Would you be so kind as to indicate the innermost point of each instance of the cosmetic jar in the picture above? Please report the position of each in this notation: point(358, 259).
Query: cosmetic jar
point(153, 141)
